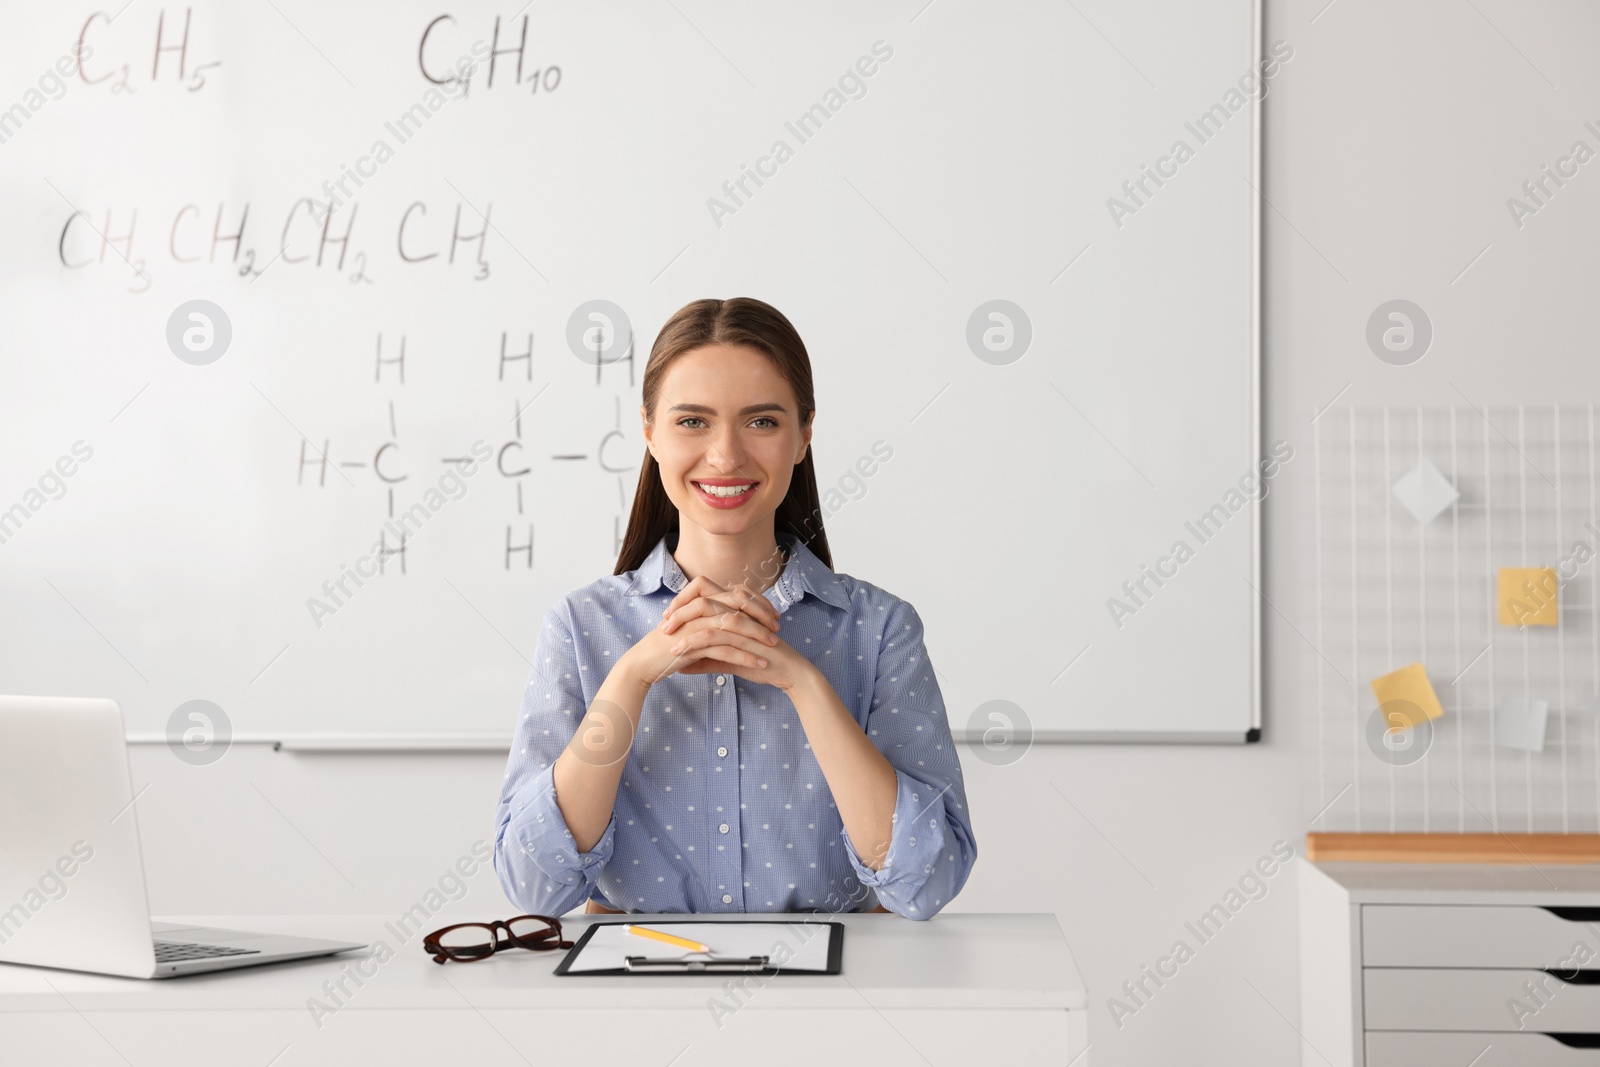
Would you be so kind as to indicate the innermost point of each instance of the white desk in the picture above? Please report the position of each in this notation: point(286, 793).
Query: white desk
point(957, 989)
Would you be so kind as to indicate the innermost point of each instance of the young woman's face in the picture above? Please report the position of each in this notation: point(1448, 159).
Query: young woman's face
point(726, 418)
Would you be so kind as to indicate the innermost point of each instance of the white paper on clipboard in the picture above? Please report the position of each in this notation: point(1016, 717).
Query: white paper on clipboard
point(807, 949)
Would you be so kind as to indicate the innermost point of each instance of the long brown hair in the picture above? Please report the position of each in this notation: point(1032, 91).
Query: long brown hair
point(739, 321)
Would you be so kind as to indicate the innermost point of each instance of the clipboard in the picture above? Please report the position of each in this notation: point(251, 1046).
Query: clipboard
point(753, 946)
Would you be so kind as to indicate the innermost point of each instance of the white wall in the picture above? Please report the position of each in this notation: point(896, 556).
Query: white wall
point(1393, 139)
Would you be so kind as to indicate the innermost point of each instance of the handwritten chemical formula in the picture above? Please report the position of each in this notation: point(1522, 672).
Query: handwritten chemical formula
point(383, 463)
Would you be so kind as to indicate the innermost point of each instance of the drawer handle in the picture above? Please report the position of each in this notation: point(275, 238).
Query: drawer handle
point(1576, 915)
point(1574, 977)
point(1577, 1040)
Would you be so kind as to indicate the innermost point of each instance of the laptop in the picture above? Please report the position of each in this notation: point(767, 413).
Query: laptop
point(72, 888)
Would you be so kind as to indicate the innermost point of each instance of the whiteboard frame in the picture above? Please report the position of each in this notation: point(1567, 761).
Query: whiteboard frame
point(345, 743)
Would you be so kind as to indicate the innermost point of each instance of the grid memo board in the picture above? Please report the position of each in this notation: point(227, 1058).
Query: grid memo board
point(1392, 591)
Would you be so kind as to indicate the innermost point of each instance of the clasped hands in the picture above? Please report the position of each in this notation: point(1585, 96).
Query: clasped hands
point(707, 629)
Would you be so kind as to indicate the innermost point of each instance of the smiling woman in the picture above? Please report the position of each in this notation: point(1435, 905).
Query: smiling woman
point(726, 724)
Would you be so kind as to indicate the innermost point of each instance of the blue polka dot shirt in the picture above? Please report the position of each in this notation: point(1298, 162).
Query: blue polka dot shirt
point(722, 807)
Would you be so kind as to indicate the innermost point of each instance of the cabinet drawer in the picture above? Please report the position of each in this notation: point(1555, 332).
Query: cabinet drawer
point(1451, 935)
point(1407, 998)
point(1398, 1049)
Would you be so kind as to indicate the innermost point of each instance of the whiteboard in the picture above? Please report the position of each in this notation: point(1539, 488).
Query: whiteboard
point(377, 300)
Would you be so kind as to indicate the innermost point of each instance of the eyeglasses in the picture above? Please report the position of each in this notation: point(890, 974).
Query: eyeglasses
point(467, 942)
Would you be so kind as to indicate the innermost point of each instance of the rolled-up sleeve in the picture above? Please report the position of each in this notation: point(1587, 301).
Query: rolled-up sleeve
point(931, 848)
point(535, 855)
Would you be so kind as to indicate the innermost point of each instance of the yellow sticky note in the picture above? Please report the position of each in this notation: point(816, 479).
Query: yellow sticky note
point(1528, 596)
point(1405, 689)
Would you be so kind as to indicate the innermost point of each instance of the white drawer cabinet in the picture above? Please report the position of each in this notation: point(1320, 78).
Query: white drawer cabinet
point(1450, 964)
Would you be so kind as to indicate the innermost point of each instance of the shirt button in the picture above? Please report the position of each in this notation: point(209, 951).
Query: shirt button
point(721, 679)
point(723, 828)
point(727, 898)
point(722, 750)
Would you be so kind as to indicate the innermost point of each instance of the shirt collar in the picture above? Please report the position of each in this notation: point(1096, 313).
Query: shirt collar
point(803, 573)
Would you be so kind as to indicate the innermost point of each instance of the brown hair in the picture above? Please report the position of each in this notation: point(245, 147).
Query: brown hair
point(739, 321)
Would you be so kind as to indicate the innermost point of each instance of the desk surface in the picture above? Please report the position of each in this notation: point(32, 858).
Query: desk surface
point(954, 960)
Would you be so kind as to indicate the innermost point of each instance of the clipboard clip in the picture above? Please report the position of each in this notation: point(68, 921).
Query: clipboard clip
point(695, 963)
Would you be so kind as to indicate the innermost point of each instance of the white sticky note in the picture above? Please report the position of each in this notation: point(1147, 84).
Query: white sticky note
point(1425, 492)
point(1520, 723)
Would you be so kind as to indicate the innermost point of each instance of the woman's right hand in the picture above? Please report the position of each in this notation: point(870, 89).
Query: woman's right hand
point(750, 622)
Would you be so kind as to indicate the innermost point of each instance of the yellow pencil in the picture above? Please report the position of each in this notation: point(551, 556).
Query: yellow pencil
point(681, 942)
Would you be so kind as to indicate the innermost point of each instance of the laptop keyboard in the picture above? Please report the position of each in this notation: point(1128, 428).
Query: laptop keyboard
point(175, 951)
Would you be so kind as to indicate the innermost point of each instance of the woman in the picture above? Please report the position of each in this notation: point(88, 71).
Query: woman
point(725, 724)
